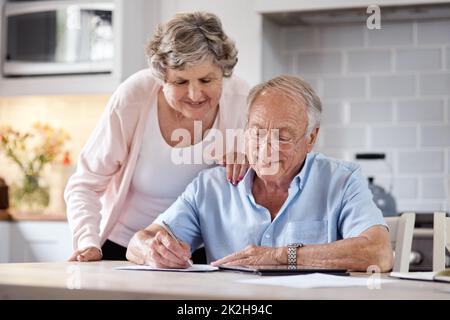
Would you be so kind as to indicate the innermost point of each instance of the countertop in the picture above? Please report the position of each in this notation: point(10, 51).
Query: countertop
point(99, 280)
point(11, 215)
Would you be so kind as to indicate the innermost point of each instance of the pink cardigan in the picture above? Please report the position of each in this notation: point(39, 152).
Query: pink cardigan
point(96, 192)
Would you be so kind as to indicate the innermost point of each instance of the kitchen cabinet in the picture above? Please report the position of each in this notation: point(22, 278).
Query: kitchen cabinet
point(132, 25)
point(270, 6)
point(4, 241)
point(34, 241)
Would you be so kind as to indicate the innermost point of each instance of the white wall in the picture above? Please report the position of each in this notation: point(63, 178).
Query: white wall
point(274, 59)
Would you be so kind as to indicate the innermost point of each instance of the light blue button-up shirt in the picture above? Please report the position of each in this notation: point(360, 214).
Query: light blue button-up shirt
point(328, 200)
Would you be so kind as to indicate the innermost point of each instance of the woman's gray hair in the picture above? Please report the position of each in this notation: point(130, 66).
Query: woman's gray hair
point(188, 39)
point(297, 90)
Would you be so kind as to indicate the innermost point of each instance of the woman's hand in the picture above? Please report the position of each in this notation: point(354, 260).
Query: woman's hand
point(236, 166)
point(160, 250)
point(88, 254)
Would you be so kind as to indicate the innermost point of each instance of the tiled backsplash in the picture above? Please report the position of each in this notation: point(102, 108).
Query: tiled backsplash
point(75, 114)
point(383, 90)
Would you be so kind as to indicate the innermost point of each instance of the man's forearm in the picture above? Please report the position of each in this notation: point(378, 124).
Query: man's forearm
point(354, 254)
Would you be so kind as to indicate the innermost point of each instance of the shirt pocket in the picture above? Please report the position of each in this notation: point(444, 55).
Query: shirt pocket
point(307, 232)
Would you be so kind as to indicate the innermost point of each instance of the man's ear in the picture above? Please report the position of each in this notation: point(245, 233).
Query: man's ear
point(312, 138)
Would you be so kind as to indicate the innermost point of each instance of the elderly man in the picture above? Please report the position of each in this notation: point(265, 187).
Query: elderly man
point(296, 208)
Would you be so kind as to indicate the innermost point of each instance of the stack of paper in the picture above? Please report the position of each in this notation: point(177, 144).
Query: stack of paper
point(193, 268)
point(443, 275)
point(316, 280)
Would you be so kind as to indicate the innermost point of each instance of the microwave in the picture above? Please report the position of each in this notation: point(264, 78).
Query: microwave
point(57, 38)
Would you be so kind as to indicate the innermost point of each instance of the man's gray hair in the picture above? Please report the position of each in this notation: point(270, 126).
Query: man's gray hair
point(188, 39)
point(298, 90)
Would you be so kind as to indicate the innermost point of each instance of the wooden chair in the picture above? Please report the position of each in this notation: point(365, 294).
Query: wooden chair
point(441, 239)
point(401, 231)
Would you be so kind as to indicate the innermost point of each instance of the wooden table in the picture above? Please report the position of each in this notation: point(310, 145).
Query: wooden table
point(99, 280)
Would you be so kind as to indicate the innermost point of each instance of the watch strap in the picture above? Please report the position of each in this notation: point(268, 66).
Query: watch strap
point(292, 254)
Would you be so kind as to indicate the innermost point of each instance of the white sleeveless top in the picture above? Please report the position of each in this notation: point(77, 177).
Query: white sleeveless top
point(157, 179)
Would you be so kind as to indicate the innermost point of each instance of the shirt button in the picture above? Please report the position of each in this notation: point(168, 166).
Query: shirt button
point(267, 236)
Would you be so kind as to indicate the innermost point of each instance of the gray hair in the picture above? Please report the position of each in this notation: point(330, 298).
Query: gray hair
point(297, 90)
point(187, 39)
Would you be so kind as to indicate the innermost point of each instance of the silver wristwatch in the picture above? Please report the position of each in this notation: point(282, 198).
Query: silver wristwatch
point(292, 254)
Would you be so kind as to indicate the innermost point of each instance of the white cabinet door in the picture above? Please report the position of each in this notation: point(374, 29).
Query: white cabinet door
point(39, 241)
point(4, 241)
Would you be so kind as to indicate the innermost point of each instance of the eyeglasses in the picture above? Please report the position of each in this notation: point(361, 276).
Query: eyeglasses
point(261, 136)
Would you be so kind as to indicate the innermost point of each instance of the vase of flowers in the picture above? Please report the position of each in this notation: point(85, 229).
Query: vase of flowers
point(32, 152)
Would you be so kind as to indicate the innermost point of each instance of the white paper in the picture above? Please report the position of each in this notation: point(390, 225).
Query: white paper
point(429, 276)
point(316, 280)
point(193, 268)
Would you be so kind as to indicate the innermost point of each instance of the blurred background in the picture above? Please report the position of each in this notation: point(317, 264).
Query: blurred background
point(385, 90)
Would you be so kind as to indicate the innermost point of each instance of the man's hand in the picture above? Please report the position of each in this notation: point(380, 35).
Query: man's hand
point(236, 166)
point(158, 251)
point(255, 255)
point(88, 254)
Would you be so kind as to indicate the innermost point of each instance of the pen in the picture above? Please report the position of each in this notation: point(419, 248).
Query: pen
point(169, 231)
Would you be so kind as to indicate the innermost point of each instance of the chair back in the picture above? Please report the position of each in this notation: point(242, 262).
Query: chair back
point(441, 239)
point(401, 231)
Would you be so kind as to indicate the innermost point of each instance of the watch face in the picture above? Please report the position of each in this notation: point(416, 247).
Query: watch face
point(295, 245)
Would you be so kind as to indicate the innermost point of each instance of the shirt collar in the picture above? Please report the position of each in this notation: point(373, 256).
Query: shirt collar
point(247, 182)
point(302, 176)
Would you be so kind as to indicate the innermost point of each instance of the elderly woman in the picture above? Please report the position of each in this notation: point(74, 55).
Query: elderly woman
point(293, 206)
point(128, 172)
